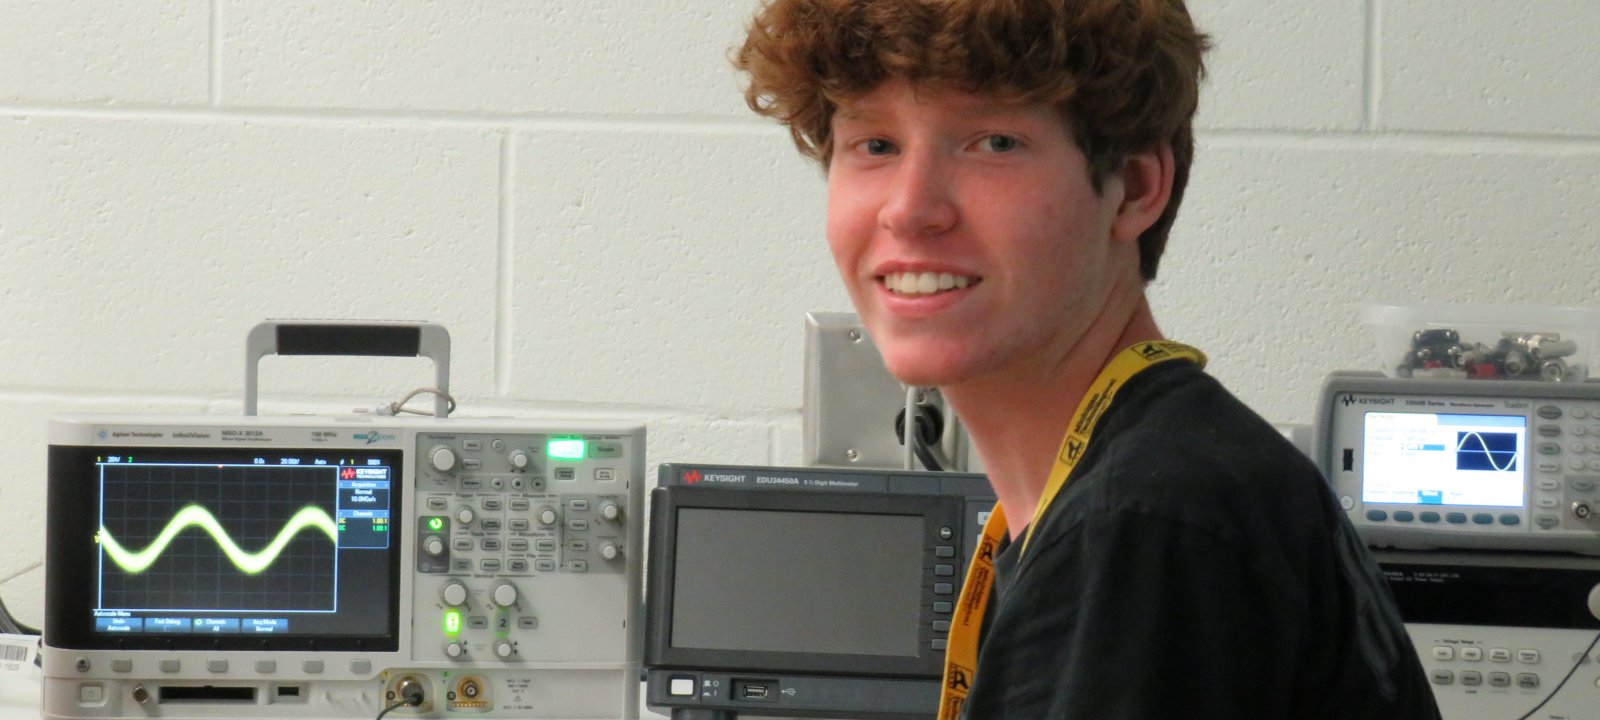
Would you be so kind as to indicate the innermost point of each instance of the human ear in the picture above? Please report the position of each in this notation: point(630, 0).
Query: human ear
point(1146, 189)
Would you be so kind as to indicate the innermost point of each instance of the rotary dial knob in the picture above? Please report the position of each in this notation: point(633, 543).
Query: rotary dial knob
point(609, 551)
point(505, 595)
point(434, 545)
point(610, 511)
point(454, 593)
point(519, 459)
point(504, 649)
point(442, 458)
point(465, 515)
point(547, 516)
point(454, 650)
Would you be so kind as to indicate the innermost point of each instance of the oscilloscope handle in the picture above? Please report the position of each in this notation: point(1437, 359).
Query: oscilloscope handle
point(368, 338)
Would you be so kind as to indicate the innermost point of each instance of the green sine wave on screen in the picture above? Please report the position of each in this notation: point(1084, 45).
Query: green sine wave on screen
point(309, 517)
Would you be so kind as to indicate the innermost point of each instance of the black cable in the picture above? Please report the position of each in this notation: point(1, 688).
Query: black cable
point(392, 708)
point(9, 624)
point(1570, 673)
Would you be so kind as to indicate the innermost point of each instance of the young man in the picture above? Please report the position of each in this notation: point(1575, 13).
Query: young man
point(1002, 177)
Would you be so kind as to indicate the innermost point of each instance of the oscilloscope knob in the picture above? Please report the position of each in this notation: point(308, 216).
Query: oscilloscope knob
point(610, 510)
point(434, 545)
point(454, 650)
point(519, 459)
point(609, 551)
point(442, 458)
point(454, 593)
point(505, 595)
point(504, 649)
point(547, 516)
point(464, 515)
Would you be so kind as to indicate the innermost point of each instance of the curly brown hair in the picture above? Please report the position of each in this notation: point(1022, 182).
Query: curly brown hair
point(1124, 73)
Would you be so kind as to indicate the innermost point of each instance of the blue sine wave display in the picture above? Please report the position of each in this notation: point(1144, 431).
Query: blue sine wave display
point(1489, 451)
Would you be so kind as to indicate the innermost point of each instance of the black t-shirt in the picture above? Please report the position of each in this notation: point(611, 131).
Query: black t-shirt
point(1196, 566)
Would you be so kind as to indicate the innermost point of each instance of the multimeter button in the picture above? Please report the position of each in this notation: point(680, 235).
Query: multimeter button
point(1377, 515)
point(944, 551)
point(1549, 484)
point(1594, 465)
point(1429, 517)
point(1549, 503)
point(1577, 446)
point(1527, 681)
point(1580, 413)
point(1550, 466)
point(1550, 448)
point(1403, 516)
point(1500, 679)
point(1443, 677)
point(1546, 521)
point(1456, 518)
point(1509, 519)
point(1577, 464)
point(944, 589)
point(1482, 518)
point(1444, 652)
point(1471, 677)
point(1579, 483)
point(1549, 412)
point(1580, 431)
point(1550, 430)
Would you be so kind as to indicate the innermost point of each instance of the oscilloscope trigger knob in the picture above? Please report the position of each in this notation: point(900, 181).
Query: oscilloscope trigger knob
point(454, 593)
point(442, 458)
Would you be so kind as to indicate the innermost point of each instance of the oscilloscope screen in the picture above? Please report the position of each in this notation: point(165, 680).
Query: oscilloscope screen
point(247, 544)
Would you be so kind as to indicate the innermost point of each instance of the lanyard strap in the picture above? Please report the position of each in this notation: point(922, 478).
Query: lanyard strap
point(961, 657)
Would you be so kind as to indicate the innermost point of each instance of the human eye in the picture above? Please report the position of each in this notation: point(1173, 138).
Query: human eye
point(998, 143)
point(877, 146)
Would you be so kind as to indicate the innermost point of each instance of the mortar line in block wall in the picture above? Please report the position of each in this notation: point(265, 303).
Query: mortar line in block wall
point(215, 74)
point(505, 265)
point(1373, 67)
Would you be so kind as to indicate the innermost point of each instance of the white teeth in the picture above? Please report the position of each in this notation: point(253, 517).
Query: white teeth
point(926, 283)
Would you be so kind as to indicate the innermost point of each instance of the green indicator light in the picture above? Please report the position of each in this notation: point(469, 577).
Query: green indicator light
point(568, 449)
point(452, 622)
point(435, 523)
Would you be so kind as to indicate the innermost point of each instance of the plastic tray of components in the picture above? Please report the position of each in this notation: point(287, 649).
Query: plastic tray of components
point(1484, 342)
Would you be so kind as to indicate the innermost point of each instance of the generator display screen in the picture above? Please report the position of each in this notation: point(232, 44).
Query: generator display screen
point(798, 582)
point(1444, 459)
point(229, 547)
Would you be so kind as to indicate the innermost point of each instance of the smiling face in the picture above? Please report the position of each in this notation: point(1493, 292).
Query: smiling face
point(968, 233)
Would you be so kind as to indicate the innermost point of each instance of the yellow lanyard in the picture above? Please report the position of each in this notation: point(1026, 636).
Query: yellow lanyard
point(961, 655)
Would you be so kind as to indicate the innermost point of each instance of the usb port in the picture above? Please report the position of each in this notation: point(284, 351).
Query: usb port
point(755, 690)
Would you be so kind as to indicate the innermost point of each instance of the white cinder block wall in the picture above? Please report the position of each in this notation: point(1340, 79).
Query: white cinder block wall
point(575, 189)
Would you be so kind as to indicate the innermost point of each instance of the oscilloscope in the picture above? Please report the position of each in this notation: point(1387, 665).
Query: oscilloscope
point(255, 567)
point(342, 567)
point(1429, 464)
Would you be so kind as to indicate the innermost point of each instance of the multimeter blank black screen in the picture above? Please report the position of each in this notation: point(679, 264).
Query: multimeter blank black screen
point(798, 582)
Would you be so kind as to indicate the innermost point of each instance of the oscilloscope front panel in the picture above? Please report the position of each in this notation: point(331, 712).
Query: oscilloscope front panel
point(1425, 464)
point(265, 567)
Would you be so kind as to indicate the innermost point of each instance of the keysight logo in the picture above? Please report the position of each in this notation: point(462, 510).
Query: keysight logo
point(691, 477)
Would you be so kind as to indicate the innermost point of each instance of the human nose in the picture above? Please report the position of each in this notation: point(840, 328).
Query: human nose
point(919, 201)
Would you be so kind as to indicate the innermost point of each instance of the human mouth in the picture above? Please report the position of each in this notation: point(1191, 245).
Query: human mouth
point(926, 283)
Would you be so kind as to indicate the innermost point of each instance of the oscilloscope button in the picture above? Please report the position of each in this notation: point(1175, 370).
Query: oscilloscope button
point(1428, 516)
point(1549, 412)
point(1403, 516)
point(547, 516)
point(442, 458)
point(454, 594)
point(1482, 519)
point(1508, 519)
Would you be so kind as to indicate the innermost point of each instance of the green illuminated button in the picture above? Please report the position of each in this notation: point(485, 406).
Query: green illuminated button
point(452, 622)
point(566, 449)
point(435, 523)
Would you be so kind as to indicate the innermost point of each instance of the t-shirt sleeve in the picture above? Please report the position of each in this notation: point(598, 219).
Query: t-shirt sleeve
point(1148, 617)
